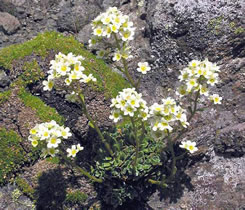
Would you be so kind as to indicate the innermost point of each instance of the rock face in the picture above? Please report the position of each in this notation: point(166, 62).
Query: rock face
point(170, 33)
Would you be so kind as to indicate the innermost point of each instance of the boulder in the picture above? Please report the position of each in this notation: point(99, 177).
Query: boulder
point(8, 23)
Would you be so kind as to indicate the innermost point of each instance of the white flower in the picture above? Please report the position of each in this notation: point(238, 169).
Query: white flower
point(194, 63)
point(98, 31)
point(184, 75)
point(48, 85)
point(190, 146)
point(127, 35)
point(106, 19)
point(53, 142)
point(115, 116)
point(79, 147)
point(87, 79)
point(216, 98)
point(63, 69)
point(68, 81)
point(143, 67)
point(92, 41)
point(72, 152)
point(114, 28)
point(65, 132)
point(45, 134)
point(203, 90)
point(117, 56)
point(34, 141)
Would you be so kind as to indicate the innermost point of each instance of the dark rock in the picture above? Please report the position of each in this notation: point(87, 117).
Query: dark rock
point(4, 79)
point(8, 23)
point(231, 140)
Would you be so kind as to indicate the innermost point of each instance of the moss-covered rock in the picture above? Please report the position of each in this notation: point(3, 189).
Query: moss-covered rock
point(107, 81)
point(25, 187)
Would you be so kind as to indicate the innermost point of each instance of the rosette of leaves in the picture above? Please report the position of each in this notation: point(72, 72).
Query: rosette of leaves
point(122, 182)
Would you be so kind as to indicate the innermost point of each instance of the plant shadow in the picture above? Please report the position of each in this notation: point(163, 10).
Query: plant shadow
point(51, 190)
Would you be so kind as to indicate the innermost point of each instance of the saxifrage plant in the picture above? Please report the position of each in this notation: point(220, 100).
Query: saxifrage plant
point(130, 159)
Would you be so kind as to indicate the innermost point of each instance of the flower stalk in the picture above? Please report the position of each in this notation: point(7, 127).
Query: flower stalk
point(85, 111)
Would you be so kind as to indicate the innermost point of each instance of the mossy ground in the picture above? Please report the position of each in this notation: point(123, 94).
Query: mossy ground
point(12, 155)
point(44, 112)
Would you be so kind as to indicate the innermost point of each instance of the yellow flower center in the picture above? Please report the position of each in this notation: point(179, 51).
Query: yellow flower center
point(63, 133)
point(76, 67)
point(63, 68)
point(114, 28)
point(53, 140)
point(45, 134)
point(33, 131)
point(73, 152)
point(143, 68)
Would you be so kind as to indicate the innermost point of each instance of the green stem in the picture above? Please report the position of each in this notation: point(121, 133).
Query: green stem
point(125, 65)
point(173, 168)
point(81, 98)
point(81, 170)
point(160, 183)
point(195, 106)
point(137, 144)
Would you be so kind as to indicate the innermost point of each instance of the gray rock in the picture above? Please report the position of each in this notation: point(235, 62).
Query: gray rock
point(8, 23)
point(85, 34)
point(74, 16)
point(184, 30)
point(4, 79)
point(12, 199)
point(231, 140)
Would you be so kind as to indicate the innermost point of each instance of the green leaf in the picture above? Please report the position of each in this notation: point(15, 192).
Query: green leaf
point(91, 124)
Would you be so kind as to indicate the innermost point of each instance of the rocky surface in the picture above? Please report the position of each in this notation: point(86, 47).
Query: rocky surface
point(12, 199)
point(169, 34)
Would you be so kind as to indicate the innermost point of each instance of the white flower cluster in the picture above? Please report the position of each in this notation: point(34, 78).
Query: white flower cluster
point(72, 152)
point(67, 66)
point(190, 146)
point(51, 133)
point(163, 116)
point(129, 103)
point(113, 22)
point(197, 77)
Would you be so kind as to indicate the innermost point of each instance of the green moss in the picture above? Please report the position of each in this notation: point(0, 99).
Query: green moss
point(4, 96)
point(25, 187)
point(32, 73)
point(12, 155)
point(76, 197)
point(54, 160)
point(44, 112)
point(232, 25)
point(108, 81)
point(239, 30)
